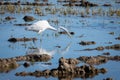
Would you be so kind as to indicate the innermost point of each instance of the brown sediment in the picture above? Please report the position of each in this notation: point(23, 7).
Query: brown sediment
point(87, 42)
point(9, 18)
point(93, 60)
point(109, 78)
point(25, 24)
point(27, 3)
point(101, 48)
point(107, 5)
point(67, 69)
point(106, 53)
point(115, 47)
point(117, 2)
point(80, 3)
point(63, 32)
point(97, 60)
point(28, 18)
point(26, 64)
point(33, 57)
point(117, 38)
point(111, 33)
point(21, 39)
point(68, 1)
point(7, 64)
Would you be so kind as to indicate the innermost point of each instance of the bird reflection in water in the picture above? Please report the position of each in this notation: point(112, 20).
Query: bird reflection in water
point(49, 52)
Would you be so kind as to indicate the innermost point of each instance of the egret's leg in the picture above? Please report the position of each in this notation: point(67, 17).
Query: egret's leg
point(40, 37)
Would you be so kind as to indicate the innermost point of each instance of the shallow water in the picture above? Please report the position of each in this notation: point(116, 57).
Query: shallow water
point(93, 28)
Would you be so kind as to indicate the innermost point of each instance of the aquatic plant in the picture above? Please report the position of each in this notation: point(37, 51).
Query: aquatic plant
point(53, 10)
point(118, 12)
point(87, 10)
point(39, 11)
point(111, 12)
point(19, 8)
point(10, 8)
point(63, 10)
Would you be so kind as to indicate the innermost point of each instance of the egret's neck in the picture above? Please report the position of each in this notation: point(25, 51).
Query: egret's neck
point(52, 28)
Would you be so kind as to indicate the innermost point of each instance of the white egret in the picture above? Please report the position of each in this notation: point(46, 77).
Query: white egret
point(42, 25)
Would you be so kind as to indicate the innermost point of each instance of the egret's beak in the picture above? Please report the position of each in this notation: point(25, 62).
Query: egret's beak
point(68, 33)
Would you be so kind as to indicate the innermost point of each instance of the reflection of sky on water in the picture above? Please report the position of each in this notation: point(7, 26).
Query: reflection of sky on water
point(93, 28)
point(49, 52)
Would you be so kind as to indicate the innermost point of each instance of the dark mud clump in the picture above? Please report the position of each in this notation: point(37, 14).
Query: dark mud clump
point(115, 47)
point(9, 18)
point(97, 60)
point(26, 64)
point(7, 64)
point(100, 48)
point(25, 24)
point(79, 3)
point(109, 78)
point(63, 32)
point(106, 53)
point(87, 42)
point(21, 39)
point(28, 18)
point(67, 69)
point(117, 38)
point(33, 58)
point(107, 5)
point(93, 60)
point(111, 33)
point(27, 3)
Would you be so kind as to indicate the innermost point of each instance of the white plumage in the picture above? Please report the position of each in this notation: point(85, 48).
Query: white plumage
point(42, 25)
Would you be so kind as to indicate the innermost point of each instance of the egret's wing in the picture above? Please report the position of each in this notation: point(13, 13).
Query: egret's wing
point(63, 28)
point(33, 27)
point(39, 25)
point(42, 23)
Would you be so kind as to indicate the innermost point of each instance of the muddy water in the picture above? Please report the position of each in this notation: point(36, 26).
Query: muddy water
point(98, 28)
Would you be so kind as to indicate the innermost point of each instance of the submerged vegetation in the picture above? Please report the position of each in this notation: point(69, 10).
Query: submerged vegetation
point(67, 10)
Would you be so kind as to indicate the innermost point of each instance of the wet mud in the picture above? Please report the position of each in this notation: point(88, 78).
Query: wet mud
point(78, 3)
point(23, 24)
point(87, 42)
point(28, 18)
point(63, 32)
point(67, 69)
point(8, 64)
point(101, 48)
point(21, 39)
point(97, 60)
point(27, 3)
point(117, 38)
point(9, 18)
